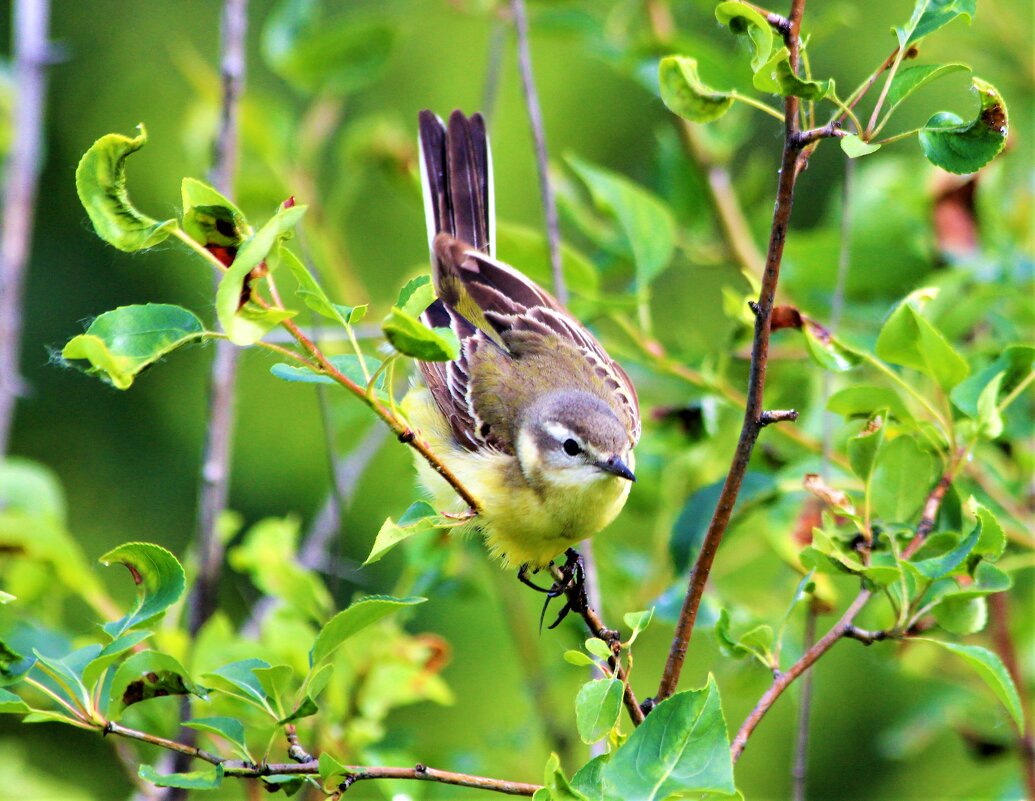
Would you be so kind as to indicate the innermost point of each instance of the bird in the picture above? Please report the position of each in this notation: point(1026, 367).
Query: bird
point(534, 417)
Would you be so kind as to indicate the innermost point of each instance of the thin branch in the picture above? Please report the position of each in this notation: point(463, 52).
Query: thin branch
point(824, 644)
point(1002, 642)
point(32, 54)
point(215, 470)
point(490, 89)
point(237, 768)
point(799, 773)
point(753, 412)
point(535, 119)
point(927, 518)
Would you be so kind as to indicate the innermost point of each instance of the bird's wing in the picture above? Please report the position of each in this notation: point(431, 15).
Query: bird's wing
point(513, 305)
point(450, 382)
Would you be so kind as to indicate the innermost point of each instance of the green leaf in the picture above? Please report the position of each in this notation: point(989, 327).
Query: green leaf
point(211, 219)
point(989, 420)
point(686, 95)
point(963, 147)
point(908, 339)
point(589, 779)
point(331, 770)
point(1016, 361)
point(230, 729)
point(911, 79)
point(411, 337)
point(598, 648)
point(11, 704)
point(578, 658)
point(637, 621)
point(159, 578)
point(357, 617)
point(419, 518)
point(993, 673)
point(146, 675)
point(776, 77)
point(306, 707)
point(826, 350)
point(111, 654)
point(992, 541)
point(902, 477)
point(100, 180)
point(863, 448)
point(310, 291)
point(346, 363)
point(121, 343)
point(938, 566)
point(267, 553)
point(416, 296)
point(239, 679)
point(557, 785)
point(207, 778)
point(597, 707)
point(275, 681)
point(336, 56)
point(648, 225)
point(961, 615)
point(743, 19)
point(246, 323)
point(854, 147)
point(866, 400)
point(286, 783)
point(930, 15)
point(681, 747)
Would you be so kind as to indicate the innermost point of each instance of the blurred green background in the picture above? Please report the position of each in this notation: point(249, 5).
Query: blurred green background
point(129, 460)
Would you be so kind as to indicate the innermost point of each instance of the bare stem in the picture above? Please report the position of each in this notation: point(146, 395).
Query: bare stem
point(215, 470)
point(824, 644)
point(754, 415)
point(799, 772)
point(31, 56)
point(535, 119)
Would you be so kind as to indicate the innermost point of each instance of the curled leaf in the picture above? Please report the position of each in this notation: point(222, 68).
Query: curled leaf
point(686, 95)
point(100, 181)
point(961, 147)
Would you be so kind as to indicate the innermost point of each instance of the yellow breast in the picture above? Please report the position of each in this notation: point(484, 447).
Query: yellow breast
point(521, 524)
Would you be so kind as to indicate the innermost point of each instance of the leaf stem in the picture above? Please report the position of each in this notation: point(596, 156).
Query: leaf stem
point(1015, 393)
point(760, 105)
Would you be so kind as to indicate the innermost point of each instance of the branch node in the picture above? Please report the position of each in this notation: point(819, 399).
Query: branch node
point(754, 307)
point(406, 437)
point(420, 769)
point(777, 416)
point(647, 706)
point(109, 727)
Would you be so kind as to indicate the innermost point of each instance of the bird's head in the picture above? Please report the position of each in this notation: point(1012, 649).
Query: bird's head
point(573, 438)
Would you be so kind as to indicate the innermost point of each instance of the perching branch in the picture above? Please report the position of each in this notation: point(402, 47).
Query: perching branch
point(535, 119)
point(237, 768)
point(1002, 642)
point(755, 418)
point(32, 54)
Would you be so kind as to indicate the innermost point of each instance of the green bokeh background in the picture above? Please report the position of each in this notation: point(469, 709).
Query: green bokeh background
point(129, 460)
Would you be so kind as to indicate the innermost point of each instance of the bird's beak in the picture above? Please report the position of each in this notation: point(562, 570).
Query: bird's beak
point(616, 467)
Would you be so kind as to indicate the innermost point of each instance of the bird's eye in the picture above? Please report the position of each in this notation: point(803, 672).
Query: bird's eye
point(571, 447)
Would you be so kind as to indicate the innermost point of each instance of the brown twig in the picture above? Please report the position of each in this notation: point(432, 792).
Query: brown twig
point(310, 767)
point(535, 119)
point(928, 517)
point(754, 415)
point(824, 644)
point(32, 54)
point(1002, 642)
point(844, 628)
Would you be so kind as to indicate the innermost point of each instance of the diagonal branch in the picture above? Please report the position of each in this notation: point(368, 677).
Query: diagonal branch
point(755, 417)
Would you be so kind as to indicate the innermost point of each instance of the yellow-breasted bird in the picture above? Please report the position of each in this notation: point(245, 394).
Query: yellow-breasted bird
point(534, 417)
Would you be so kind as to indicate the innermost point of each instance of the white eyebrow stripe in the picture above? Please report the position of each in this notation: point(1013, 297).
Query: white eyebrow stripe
point(561, 432)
